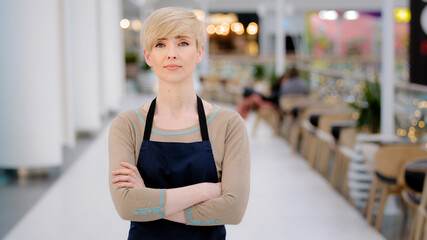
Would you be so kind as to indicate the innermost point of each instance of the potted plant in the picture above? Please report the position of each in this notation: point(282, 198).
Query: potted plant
point(146, 78)
point(259, 72)
point(369, 107)
point(261, 82)
point(131, 60)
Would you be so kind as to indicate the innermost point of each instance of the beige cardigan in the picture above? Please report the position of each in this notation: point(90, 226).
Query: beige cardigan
point(230, 146)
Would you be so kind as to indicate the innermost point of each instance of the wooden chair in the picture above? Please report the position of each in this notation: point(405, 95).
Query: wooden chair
point(389, 161)
point(344, 154)
point(325, 141)
point(421, 216)
point(413, 186)
point(324, 118)
point(268, 112)
point(275, 117)
point(271, 115)
point(292, 105)
point(412, 176)
point(307, 128)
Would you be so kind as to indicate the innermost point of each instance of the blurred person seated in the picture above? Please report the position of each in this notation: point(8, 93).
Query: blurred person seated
point(295, 84)
point(289, 83)
point(253, 99)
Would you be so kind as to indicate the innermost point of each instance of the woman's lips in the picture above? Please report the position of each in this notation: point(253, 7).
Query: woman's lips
point(172, 67)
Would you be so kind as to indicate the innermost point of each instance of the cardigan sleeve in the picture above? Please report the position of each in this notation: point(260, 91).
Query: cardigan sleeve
point(144, 204)
point(231, 206)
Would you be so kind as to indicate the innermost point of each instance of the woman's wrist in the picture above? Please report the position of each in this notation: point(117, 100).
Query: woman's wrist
point(178, 199)
point(178, 217)
point(211, 191)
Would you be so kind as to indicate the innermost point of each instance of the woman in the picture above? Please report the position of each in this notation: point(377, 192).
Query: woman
point(180, 165)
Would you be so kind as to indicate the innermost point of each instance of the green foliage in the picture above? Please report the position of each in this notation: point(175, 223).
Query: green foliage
point(304, 74)
point(273, 78)
point(259, 72)
point(131, 57)
point(370, 107)
point(144, 66)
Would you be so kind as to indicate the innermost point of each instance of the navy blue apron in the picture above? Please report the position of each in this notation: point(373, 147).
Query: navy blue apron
point(165, 165)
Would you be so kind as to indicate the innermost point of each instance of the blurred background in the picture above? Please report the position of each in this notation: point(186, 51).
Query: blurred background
point(343, 159)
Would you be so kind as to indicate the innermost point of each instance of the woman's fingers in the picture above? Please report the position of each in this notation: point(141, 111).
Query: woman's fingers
point(129, 169)
point(122, 172)
point(121, 179)
point(126, 182)
point(129, 174)
point(129, 166)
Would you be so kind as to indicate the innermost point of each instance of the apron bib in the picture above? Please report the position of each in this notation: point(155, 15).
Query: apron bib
point(165, 165)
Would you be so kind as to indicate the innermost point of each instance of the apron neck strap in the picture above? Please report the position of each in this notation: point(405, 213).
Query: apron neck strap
point(202, 120)
point(200, 112)
point(149, 120)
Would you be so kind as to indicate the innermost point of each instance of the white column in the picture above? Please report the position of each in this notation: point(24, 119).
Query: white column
point(387, 79)
point(263, 32)
point(204, 65)
point(30, 123)
point(144, 11)
point(67, 109)
point(387, 68)
point(84, 48)
point(280, 39)
point(111, 55)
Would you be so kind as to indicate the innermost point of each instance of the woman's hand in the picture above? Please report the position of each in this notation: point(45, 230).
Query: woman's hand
point(128, 177)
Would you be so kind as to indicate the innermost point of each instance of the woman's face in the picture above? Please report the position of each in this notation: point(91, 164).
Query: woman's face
point(173, 59)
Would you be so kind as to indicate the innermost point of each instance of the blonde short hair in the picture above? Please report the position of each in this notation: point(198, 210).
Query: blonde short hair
point(170, 22)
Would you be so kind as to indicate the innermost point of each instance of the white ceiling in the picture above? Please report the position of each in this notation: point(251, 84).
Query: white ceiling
point(130, 6)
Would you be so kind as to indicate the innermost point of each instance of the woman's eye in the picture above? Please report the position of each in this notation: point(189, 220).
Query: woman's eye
point(160, 45)
point(183, 44)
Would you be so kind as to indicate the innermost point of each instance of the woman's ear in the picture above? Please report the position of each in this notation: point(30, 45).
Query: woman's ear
point(147, 58)
point(200, 54)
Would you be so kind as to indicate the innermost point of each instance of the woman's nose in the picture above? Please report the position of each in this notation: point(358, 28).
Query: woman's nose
point(171, 53)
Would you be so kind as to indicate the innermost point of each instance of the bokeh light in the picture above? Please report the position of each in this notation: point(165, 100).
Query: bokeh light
point(252, 28)
point(124, 23)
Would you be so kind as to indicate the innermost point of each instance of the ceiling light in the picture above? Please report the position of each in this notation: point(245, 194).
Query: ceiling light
point(328, 15)
point(124, 23)
point(351, 15)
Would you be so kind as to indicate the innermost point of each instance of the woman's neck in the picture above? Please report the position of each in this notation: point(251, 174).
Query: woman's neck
point(176, 99)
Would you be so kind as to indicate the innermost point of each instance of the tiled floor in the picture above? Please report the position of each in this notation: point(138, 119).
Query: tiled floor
point(288, 199)
point(18, 195)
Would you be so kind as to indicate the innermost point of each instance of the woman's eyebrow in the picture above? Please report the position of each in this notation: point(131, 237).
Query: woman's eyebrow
point(176, 37)
point(182, 36)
